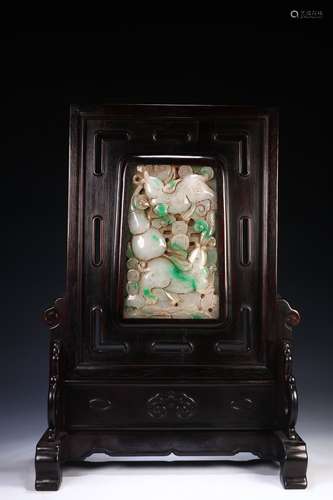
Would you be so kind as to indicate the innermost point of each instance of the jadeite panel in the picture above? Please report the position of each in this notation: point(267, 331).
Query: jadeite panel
point(171, 254)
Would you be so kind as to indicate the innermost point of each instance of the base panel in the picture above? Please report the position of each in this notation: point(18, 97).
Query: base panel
point(51, 455)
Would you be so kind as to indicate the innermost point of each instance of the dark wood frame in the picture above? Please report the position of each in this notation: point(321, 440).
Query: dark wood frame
point(229, 382)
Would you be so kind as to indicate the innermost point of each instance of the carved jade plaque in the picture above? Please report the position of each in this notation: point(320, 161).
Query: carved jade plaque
point(171, 252)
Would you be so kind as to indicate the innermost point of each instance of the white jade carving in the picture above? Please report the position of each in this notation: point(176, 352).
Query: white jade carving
point(171, 255)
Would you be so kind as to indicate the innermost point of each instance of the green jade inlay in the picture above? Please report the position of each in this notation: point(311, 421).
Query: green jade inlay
point(133, 287)
point(161, 209)
point(201, 226)
point(171, 184)
point(148, 294)
point(129, 251)
point(204, 272)
point(196, 316)
point(178, 248)
point(205, 171)
point(156, 182)
point(180, 275)
point(155, 237)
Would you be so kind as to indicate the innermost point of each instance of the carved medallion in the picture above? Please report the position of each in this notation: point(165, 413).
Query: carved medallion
point(99, 404)
point(170, 404)
point(242, 405)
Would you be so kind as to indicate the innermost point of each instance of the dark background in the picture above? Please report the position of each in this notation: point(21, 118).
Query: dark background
point(286, 65)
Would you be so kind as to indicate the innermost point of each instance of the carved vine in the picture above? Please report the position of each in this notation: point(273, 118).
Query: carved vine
point(55, 350)
point(288, 318)
point(291, 389)
point(170, 403)
point(53, 316)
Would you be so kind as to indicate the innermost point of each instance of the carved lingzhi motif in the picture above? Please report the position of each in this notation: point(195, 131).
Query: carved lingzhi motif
point(171, 403)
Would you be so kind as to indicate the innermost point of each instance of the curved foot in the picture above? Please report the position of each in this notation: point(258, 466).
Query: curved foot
point(294, 460)
point(47, 464)
point(294, 483)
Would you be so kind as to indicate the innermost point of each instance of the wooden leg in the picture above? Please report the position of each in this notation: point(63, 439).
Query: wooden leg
point(47, 464)
point(293, 458)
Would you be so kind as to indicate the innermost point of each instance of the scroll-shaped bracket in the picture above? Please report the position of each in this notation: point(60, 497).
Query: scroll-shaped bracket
point(54, 316)
point(288, 318)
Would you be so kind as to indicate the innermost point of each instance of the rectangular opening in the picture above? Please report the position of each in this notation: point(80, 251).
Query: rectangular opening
point(96, 322)
point(246, 325)
point(245, 241)
point(97, 241)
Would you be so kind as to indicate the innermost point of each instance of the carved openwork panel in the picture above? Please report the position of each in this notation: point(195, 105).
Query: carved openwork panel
point(179, 404)
point(172, 258)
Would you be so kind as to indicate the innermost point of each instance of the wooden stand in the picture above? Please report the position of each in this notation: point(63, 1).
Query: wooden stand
point(188, 387)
